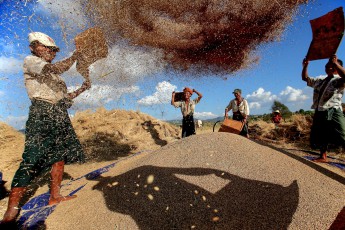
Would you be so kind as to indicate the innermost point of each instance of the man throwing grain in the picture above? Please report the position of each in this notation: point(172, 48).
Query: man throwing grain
point(50, 140)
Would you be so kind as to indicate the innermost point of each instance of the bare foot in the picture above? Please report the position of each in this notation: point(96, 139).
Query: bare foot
point(321, 160)
point(56, 200)
point(10, 215)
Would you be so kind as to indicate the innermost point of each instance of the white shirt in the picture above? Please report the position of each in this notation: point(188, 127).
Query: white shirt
point(187, 110)
point(48, 87)
point(243, 107)
point(331, 96)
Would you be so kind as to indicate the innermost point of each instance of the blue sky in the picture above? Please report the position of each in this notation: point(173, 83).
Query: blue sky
point(137, 80)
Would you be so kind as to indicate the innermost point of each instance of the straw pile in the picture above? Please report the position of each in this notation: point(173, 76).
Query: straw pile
point(104, 135)
point(107, 135)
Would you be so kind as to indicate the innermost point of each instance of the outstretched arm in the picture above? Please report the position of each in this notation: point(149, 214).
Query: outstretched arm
point(85, 86)
point(227, 109)
point(61, 66)
point(246, 110)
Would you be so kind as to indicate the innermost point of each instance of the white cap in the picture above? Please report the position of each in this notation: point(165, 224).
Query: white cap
point(277, 111)
point(43, 39)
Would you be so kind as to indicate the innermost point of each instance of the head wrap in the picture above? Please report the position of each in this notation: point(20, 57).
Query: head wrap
point(237, 91)
point(186, 89)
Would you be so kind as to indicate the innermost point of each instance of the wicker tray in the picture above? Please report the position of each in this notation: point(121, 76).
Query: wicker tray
point(92, 44)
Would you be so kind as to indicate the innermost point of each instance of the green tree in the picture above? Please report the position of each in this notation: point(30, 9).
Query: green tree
point(284, 110)
point(301, 111)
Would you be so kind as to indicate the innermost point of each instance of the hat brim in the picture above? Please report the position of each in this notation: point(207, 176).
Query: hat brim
point(54, 48)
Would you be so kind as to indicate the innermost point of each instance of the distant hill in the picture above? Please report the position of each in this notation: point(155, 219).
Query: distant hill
point(214, 119)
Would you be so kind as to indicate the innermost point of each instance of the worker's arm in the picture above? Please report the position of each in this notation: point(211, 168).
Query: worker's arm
point(173, 98)
point(199, 94)
point(305, 64)
point(340, 69)
point(61, 66)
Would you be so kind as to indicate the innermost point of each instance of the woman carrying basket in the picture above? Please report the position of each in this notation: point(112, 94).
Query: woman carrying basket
point(240, 109)
point(187, 106)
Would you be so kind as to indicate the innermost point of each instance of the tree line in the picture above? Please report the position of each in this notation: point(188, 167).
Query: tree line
point(284, 111)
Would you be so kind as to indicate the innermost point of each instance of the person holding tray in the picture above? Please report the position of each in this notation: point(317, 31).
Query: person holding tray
point(240, 109)
point(328, 121)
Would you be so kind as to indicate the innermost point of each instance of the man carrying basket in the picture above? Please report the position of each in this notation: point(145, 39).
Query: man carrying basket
point(240, 109)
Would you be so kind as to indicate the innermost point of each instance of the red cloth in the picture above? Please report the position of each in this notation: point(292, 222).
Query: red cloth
point(276, 118)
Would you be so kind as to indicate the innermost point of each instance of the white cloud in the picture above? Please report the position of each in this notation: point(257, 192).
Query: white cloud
point(205, 115)
point(261, 101)
point(291, 95)
point(161, 96)
point(321, 76)
point(261, 95)
point(10, 65)
point(260, 98)
point(100, 95)
point(254, 105)
point(296, 99)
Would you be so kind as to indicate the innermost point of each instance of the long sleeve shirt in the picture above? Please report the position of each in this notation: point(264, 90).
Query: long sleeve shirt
point(48, 87)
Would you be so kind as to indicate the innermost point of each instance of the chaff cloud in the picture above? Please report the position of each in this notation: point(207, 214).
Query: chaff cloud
point(218, 34)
